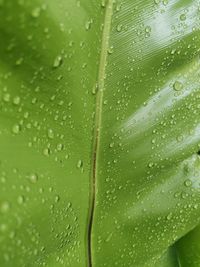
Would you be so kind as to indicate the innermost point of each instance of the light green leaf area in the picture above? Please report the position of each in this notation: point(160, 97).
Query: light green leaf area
point(99, 133)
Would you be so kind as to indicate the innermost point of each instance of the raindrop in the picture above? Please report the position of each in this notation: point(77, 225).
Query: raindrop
point(6, 97)
point(5, 206)
point(169, 216)
point(57, 62)
point(88, 25)
point(33, 178)
point(183, 17)
point(60, 147)
point(119, 27)
point(103, 3)
point(79, 164)
point(46, 152)
point(16, 129)
point(16, 100)
point(20, 200)
point(148, 29)
point(50, 134)
point(150, 165)
point(57, 198)
point(19, 61)
point(110, 50)
point(188, 183)
point(111, 145)
point(165, 2)
point(178, 86)
point(35, 12)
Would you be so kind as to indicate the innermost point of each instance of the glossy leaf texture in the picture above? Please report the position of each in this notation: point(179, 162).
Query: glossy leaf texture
point(99, 133)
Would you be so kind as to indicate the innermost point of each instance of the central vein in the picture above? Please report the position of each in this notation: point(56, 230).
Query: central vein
point(98, 115)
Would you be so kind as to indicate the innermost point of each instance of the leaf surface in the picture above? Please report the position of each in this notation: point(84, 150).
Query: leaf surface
point(99, 133)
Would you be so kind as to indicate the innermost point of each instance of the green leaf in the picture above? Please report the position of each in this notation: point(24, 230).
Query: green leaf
point(99, 133)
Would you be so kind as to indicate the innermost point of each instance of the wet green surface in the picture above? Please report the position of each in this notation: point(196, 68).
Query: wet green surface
point(104, 92)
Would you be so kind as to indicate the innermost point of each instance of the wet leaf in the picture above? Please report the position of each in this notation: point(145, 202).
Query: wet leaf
point(99, 133)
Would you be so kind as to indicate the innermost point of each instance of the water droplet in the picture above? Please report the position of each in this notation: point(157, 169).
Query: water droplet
point(169, 216)
point(179, 138)
point(60, 147)
point(183, 17)
point(5, 206)
point(110, 50)
point(57, 199)
point(16, 129)
point(111, 145)
point(150, 165)
point(3, 227)
point(26, 115)
point(46, 152)
point(188, 183)
point(36, 12)
point(20, 199)
point(119, 27)
point(57, 62)
point(165, 2)
point(80, 164)
point(19, 61)
point(103, 3)
point(177, 86)
point(33, 178)
point(147, 29)
point(88, 25)
point(6, 97)
point(95, 89)
point(12, 234)
point(16, 100)
point(118, 7)
point(50, 134)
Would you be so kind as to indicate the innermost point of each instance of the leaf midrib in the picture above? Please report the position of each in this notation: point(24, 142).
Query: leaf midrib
point(98, 119)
